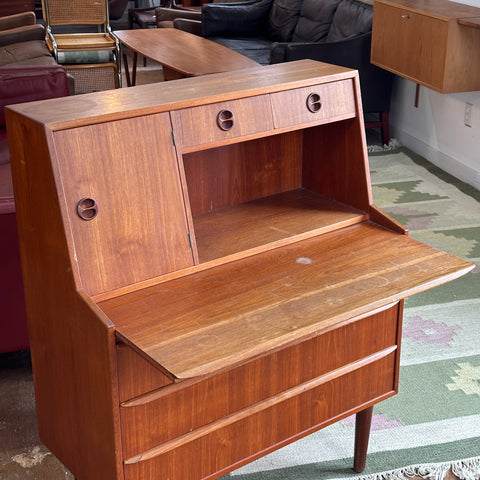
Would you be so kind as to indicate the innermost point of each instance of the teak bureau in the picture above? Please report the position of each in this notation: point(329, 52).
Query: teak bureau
point(207, 278)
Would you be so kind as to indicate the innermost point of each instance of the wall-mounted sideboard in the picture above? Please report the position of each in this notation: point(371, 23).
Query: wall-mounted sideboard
point(207, 277)
point(434, 43)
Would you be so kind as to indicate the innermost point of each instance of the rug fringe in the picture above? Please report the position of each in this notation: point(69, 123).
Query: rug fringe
point(468, 469)
point(393, 144)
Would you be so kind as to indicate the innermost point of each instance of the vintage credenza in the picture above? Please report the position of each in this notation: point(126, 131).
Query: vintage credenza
point(433, 43)
point(207, 278)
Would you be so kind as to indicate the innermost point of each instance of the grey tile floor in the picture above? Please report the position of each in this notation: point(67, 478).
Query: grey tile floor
point(22, 455)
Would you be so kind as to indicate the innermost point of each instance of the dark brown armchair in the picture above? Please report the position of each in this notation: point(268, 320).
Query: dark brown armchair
point(19, 82)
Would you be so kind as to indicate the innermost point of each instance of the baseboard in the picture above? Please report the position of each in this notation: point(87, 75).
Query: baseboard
point(447, 163)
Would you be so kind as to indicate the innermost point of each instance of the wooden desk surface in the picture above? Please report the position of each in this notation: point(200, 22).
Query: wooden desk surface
point(183, 52)
point(216, 318)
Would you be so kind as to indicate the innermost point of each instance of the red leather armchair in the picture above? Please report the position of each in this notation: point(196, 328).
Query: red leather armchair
point(17, 84)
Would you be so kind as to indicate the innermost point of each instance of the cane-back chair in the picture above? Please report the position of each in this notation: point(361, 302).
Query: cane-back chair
point(81, 27)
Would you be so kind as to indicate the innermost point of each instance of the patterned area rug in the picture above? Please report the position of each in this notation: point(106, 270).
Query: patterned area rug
point(431, 429)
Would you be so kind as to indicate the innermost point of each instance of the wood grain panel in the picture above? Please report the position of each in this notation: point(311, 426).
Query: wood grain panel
point(175, 411)
point(463, 58)
point(336, 101)
point(135, 375)
point(221, 448)
point(238, 173)
point(410, 44)
point(287, 217)
point(138, 192)
point(336, 165)
point(199, 125)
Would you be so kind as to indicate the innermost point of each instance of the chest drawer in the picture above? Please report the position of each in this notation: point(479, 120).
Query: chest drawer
point(222, 121)
point(317, 104)
point(186, 406)
point(277, 421)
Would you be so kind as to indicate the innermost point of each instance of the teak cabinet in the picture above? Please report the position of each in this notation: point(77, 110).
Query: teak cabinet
point(207, 278)
point(434, 43)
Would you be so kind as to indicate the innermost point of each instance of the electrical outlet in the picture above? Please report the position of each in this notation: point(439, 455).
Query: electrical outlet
point(467, 118)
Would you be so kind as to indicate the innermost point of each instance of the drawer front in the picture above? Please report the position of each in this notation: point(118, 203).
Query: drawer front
point(410, 44)
point(172, 412)
point(231, 440)
point(317, 104)
point(222, 121)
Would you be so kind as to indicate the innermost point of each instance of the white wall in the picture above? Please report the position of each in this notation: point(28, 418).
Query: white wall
point(436, 128)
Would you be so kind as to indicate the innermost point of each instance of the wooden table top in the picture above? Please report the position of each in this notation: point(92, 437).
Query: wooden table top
point(183, 52)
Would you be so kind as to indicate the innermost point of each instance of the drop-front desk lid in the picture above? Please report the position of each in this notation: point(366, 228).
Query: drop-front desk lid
point(215, 318)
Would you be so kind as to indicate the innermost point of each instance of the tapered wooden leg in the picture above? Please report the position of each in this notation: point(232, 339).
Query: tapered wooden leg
point(127, 71)
point(362, 433)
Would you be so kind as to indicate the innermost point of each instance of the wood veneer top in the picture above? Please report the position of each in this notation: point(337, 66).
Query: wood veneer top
point(444, 9)
point(222, 316)
point(68, 112)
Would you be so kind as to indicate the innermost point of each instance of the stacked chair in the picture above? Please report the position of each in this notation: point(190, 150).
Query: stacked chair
point(79, 36)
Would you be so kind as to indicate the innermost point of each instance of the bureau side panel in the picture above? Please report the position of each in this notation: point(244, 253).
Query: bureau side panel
point(72, 347)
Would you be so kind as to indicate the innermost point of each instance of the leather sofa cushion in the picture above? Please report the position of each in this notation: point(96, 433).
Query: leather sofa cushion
point(235, 19)
point(24, 33)
point(21, 51)
point(4, 153)
point(43, 61)
point(17, 85)
point(283, 19)
point(25, 84)
point(257, 49)
point(314, 21)
point(351, 18)
point(7, 200)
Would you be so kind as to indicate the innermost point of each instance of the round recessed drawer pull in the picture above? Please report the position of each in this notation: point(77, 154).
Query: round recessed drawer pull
point(87, 208)
point(313, 102)
point(406, 16)
point(225, 120)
